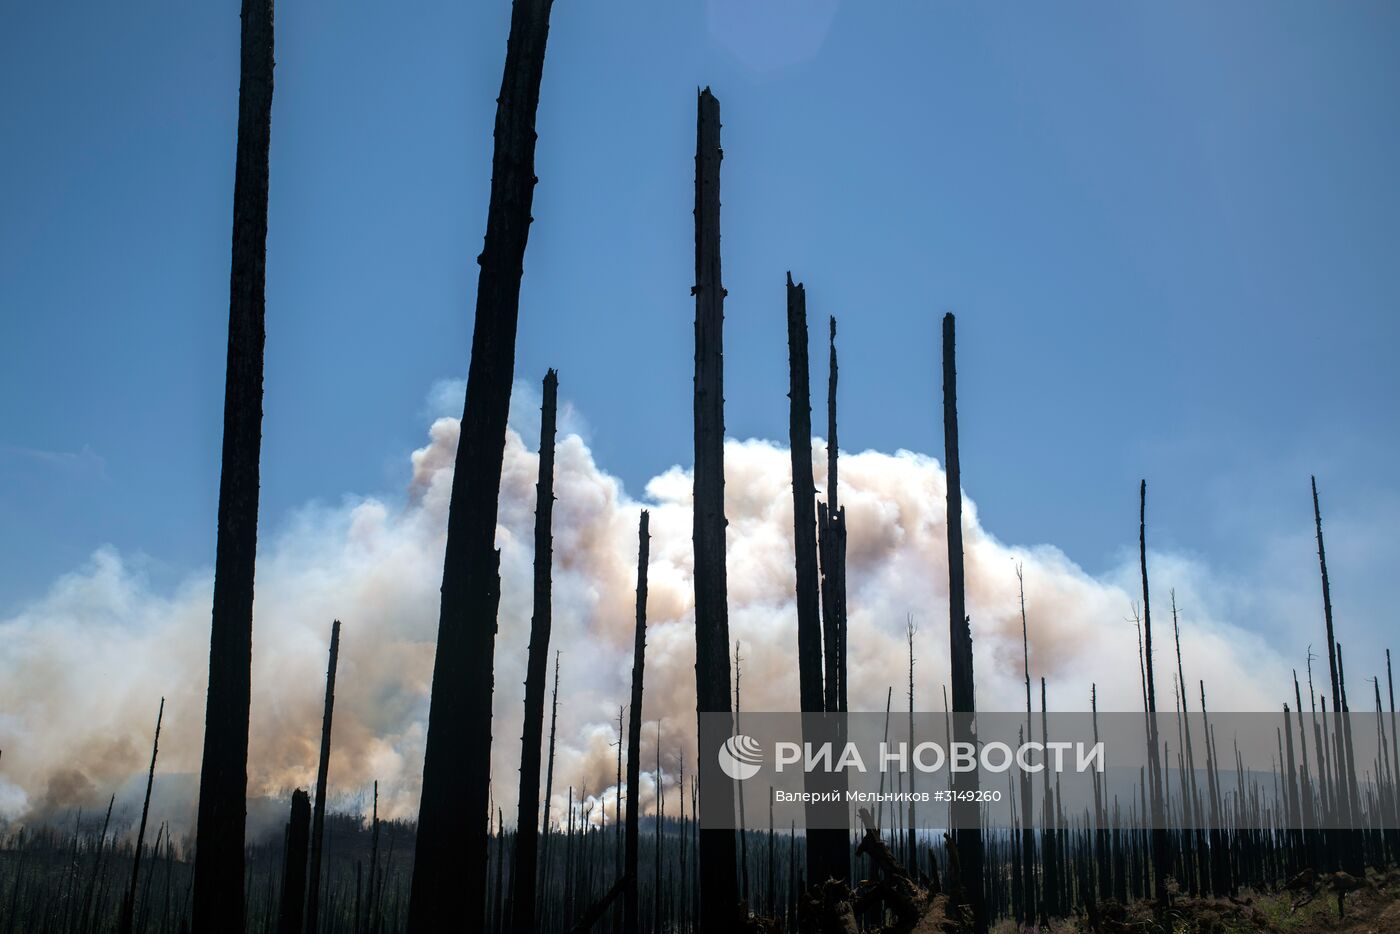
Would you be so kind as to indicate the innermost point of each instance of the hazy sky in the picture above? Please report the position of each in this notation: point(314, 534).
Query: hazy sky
point(1169, 232)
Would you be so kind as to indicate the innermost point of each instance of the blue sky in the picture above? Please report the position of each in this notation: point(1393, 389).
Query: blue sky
point(1169, 233)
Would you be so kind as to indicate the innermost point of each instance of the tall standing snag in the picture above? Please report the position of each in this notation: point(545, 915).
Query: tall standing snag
point(817, 687)
point(527, 825)
point(831, 547)
point(449, 870)
point(718, 897)
point(967, 834)
point(294, 864)
point(549, 767)
point(804, 519)
point(1160, 851)
point(318, 817)
point(631, 918)
point(1345, 786)
point(223, 776)
point(289, 918)
point(129, 903)
point(831, 521)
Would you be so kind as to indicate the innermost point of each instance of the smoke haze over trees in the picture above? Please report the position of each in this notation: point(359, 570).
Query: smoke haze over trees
point(87, 663)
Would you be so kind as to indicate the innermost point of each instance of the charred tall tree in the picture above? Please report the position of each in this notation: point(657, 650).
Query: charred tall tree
point(97, 865)
point(718, 897)
point(223, 777)
point(289, 916)
point(831, 524)
point(371, 903)
point(631, 917)
point(1343, 800)
point(129, 903)
point(809, 624)
point(527, 825)
point(831, 545)
point(1028, 855)
point(318, 817)
point(549, 768)
point(619, 846)
point(911, 847)
point(826, 846)
point(1160, 853)
point(804, 495)
point(1053, 877)
point(1344, 786)
point(967, 834)
point(449, 870)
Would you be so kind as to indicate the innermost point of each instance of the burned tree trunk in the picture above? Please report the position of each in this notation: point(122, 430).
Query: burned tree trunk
point(223, 777)
point(318, 817)
point(449, 870)
point(831, 546)
point(549, 768)
point(809, 631)
point(631, 918)
point(129, 903)
point(527, 823)
point(718, 897)
point(371, 900)
point(911, 846)
point(967, 834)
point(804, 538)
point(822, 843)
point(1028, 855)
point(1160, 854)
point(1343, 800)
point(294, 865)
point(831, 522)
point(1344, 786)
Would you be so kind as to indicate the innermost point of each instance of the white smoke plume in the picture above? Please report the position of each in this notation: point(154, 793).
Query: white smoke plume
point(83, 667)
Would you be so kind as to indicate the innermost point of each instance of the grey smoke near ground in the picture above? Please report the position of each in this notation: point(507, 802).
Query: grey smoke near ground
point(84, 667)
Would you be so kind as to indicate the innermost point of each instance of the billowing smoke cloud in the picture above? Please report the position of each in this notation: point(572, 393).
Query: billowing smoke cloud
point(83, 667)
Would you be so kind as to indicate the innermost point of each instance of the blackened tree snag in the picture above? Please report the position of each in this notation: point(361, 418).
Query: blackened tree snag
point(832, 450)
point(831, 523)
point(831, 547)
point(1160, 853)
point(527, 825)
point(812, 643)
point(449, 870)
point(318, 817)
point(549, 768)
point(718, 896)
point(911, 847)
point(371, 906)
point(1028, 854)
point(289, 916)
point(217, 898)
point(967, 835)
point(129, 903)
point(631, 918)
point(1346, 802)
point(809, 626)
